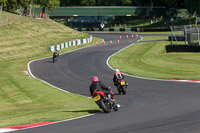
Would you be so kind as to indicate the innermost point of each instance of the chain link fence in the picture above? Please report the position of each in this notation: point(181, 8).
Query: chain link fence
point(185, 35)
point(194, 36)
point(9, 18)
point(184, 39)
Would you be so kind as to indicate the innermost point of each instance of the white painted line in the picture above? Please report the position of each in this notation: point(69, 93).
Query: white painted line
point(7, 130)
point(30, 73)
point(29, 70)
point(143, 77)
point(61, 121)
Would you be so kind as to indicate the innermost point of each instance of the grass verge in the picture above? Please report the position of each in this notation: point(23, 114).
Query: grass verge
point(25, 100)
point(150, 60)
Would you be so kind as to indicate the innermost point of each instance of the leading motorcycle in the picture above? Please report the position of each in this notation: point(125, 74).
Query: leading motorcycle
point(104, 102)
point(55, 57)
point(121, 86)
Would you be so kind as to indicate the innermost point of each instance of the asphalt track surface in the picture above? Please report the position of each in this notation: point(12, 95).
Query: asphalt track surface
point(150, 106)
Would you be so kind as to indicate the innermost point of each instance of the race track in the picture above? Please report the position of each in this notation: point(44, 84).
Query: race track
point(150, 106)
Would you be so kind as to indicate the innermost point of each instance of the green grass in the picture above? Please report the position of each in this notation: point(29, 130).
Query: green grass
point(150, 60)
point(25, 100)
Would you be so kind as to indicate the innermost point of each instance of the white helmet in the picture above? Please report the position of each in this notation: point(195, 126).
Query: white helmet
point(117, 70)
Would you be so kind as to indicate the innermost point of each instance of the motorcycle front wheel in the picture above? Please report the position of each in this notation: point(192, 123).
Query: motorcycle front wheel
point(115, 107)
point(102, 105)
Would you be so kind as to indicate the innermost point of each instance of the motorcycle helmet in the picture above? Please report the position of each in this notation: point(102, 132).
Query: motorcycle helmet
point(95, 78)
point(117, 70)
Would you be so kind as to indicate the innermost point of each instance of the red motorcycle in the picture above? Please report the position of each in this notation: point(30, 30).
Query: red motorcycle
point(104, 102)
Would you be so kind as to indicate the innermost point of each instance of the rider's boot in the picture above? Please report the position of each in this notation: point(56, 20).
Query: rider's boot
point(114, 102)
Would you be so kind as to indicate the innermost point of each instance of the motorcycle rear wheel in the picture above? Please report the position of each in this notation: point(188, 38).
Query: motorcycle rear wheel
point(119, 90)
point(105, 108)
point(54, 59)
point(123, 89)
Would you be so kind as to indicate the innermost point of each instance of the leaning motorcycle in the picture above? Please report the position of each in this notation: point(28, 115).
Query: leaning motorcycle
point(55, 58)
point(104, 102)
point(121, 86)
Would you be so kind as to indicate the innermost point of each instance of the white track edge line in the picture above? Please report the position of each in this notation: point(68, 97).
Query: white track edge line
point(186, 81)
point(59, 122)
point(30, 74)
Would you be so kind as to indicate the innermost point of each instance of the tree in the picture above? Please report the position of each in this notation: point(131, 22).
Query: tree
point(113, 3)
point(64, 3)
point(25, 4)
point(88, 2)
point(2, 3)
point(49, 4)
point(11, 4)
point(193, 6)
point(122, 2)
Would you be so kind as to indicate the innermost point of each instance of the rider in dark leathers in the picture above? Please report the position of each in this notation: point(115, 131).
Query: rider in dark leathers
point(97, 85)
point(118, 75)
point(56, 54)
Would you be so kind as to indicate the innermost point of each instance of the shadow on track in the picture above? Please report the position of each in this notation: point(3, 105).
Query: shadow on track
point(49, 61)
point(88, 111)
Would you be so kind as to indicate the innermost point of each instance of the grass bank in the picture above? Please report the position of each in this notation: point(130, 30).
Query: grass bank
point(150, 60)
point(25, 100)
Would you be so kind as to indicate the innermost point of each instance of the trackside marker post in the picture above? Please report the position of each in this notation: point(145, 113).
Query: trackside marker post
point(137, 36)
point(120, 37)
point(127, 36)
point(132, 35)
point(110, 41)
point(118, 42)
point(104, 43)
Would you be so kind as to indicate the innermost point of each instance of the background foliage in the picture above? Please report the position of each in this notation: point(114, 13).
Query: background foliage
point(193, 6)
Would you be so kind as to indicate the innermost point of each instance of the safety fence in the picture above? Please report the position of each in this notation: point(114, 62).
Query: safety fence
point(190, 35)
point(184, 39)
point(124, 29)
point(70, 43)
point(10, 18)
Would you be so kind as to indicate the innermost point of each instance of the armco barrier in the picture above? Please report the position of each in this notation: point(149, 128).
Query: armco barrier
point(125, 29)
point(182, 48)
point(70, 43)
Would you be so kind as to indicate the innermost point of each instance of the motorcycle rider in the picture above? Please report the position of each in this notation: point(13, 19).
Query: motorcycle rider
point(117, 75)
point(56, 54)
point(97, 85)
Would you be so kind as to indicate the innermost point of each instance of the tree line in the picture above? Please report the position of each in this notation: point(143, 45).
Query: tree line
point(193, 6)
point(11, 5)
